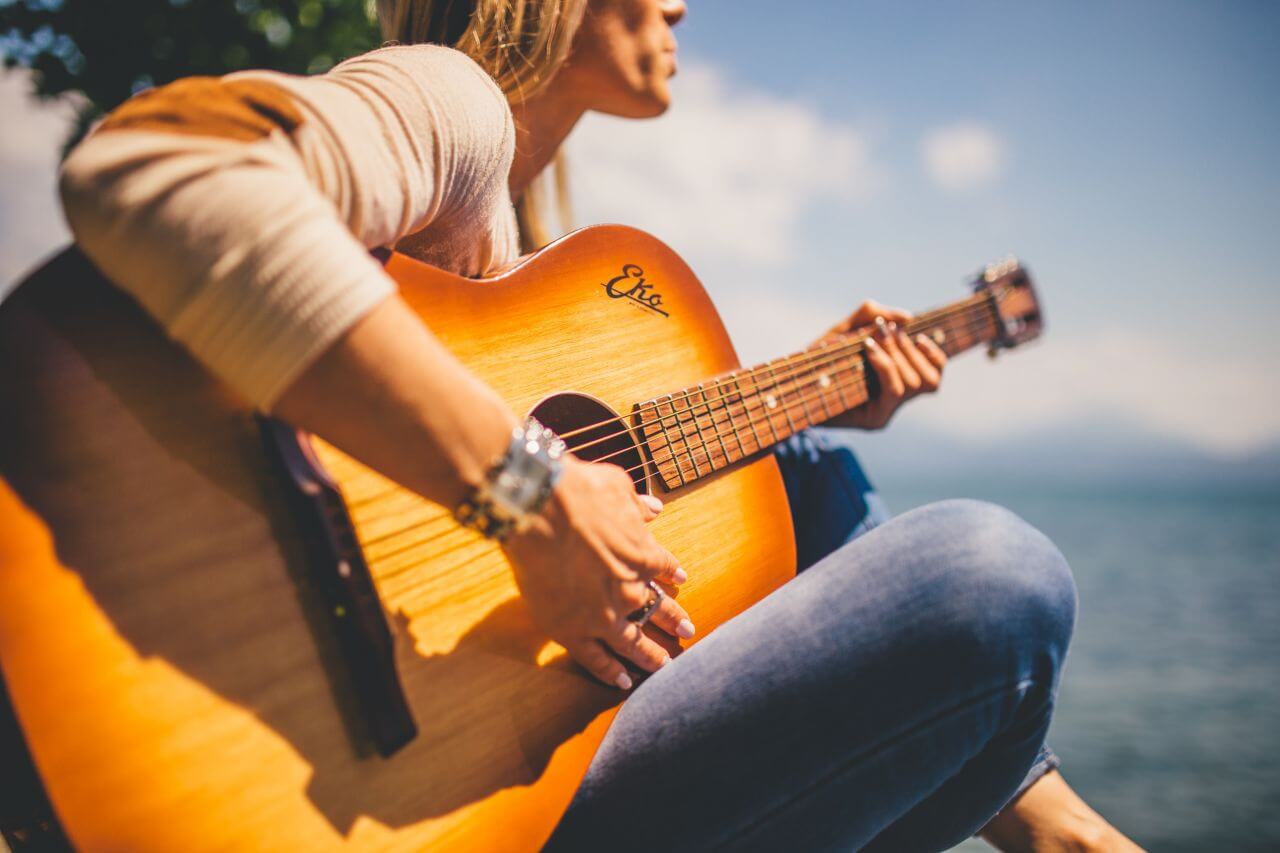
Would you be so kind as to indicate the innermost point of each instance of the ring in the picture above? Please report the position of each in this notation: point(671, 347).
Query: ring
point(642, 615)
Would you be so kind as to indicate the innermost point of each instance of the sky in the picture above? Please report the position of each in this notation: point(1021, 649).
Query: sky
point(821, 153)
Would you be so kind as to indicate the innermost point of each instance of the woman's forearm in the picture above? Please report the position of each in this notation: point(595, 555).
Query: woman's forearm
point(389, 394)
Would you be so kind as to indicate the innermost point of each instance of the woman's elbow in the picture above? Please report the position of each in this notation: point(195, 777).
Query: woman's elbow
point(83, 190)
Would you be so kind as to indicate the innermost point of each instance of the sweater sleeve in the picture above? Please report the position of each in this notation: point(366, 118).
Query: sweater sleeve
point(239, 211)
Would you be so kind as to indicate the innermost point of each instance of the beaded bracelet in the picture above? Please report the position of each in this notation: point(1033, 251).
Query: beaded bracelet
point(517, 486)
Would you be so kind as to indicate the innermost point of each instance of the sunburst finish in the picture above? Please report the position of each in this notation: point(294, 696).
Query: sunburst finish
point(160, 638)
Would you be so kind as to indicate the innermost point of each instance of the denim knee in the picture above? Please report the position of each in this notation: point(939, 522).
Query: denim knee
point(1010, 589)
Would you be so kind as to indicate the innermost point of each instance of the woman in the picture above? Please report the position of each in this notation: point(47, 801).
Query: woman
point(898, 691)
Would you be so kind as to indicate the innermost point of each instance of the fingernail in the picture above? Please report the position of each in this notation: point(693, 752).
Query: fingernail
point(623, 681)
point(880, 322)
point(871, 343)
point(893, 327)
point(652, 503)
point(685, 629)
point(666, 659)
point(679, 576)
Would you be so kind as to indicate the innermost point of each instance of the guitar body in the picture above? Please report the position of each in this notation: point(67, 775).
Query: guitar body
point(164, 645)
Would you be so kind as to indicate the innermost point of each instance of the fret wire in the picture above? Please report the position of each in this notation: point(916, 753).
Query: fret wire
point(808, 416)
point(768, 416)
point(724, 404)
point(777, 401)
point(724, 448)
point(853, 366)
point(954, 311)
point(702, 442)
point(762, 407)
point(962, 313)
point(697, 425)
point(750, 421)
point(822, 389)
point(653, 452)
point(670, 404)
point(840, 385)
point(803, 416)
point(685, 436)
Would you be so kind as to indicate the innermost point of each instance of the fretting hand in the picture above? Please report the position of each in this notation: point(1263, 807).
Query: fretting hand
point(904, 366)
point(585, 563)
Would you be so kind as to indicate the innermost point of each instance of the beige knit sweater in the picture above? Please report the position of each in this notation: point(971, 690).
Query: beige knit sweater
point(239, 211)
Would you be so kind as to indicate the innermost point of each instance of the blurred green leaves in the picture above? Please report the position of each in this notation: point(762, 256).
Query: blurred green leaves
point(106, 50)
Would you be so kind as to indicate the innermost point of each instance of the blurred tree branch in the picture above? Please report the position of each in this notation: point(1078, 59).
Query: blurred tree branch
point(104, 51)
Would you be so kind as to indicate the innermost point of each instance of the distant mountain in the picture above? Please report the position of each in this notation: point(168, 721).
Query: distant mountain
point(1080, 453)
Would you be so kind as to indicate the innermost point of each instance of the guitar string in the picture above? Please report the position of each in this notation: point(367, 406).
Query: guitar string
point(741, 403)
point(700, 408)
point(388, 535)
point(709, 461)
point(964, 306)
point(735, 430)
point(740, 407)
point(965, 311)
point(469, 537)
point(452, 528)
point(721, 382)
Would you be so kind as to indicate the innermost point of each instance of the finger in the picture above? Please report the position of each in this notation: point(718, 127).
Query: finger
point(895, 315)
point(870, 310)
point(632, 595)
point(672, 618)
point(888, 337)
point(929, 376)
point(886, 370)
point(631, 643)
point(653, 562)
point(932, 351)
point(649, 506)
point(595, 659)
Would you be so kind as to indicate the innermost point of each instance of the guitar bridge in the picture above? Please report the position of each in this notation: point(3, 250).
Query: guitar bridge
point(342, 577)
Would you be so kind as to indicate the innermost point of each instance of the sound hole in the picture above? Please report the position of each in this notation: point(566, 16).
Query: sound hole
point(593, 432)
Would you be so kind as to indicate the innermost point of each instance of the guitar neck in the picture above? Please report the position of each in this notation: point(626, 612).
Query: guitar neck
point(696, 431)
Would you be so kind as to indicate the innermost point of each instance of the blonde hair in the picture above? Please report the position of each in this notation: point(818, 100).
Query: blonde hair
point(521, 44)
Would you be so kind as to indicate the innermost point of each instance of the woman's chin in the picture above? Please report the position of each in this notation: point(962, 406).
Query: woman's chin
point(646, 103)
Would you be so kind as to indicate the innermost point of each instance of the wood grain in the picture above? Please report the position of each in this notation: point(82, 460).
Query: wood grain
point(160, 638)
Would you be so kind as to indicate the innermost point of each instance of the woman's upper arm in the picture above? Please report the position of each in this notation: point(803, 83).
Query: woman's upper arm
point(238, 211)
point(226, 244)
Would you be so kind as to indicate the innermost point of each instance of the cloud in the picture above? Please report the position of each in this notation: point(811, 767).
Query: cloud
point(30, 221)
point(1222, 404)
point(962, 156)
point(727, 170)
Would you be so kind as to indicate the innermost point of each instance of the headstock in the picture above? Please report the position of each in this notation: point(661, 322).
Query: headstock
point(1014, 301)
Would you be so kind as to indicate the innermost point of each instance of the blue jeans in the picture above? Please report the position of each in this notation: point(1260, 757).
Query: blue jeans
point(893, 697)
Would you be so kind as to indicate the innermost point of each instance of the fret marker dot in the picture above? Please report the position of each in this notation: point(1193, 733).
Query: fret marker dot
point(771, 401)
point(824, 380)
point(939, 336)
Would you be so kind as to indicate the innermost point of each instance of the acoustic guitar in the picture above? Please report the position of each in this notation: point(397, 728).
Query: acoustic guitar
point(218, 632)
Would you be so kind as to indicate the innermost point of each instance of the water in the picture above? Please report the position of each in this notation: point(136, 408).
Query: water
point(1169, 717)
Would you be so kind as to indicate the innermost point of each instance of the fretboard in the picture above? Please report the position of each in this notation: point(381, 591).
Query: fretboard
point(694, 432)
